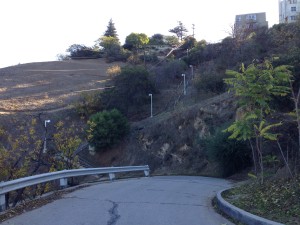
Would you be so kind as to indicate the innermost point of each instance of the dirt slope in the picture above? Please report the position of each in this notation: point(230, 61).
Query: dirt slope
point(169, 142)
point(49, 85)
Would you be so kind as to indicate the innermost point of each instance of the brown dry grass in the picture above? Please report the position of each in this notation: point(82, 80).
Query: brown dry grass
point(47, 86)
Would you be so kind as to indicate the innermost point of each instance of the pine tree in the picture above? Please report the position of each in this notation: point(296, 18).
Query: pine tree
point(179, 30)
point(111, 30)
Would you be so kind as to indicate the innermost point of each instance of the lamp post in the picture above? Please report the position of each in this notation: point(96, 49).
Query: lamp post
point(45, 140)
point(184, 89)
point(192, 68)
point(151, 105)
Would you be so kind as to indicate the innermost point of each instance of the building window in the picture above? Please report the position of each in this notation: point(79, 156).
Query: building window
point(294, 1)
point(238, 19)
point(251, 17)
point(293, 9)
point(293, 17)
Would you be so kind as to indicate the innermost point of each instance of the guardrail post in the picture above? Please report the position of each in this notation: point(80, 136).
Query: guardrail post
point(146, 172)
point(63, 182)
point(112, 176)
point(2, 203)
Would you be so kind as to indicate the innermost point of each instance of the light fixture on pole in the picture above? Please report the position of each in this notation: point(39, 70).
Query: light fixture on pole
point(45, 140)
point(151, 105)
point(192, 68)
point(184, 88)
point(46, 121)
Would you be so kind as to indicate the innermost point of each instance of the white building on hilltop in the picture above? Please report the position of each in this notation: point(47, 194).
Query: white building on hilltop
point(247, 23)
point(251, 21)
point(288, 10)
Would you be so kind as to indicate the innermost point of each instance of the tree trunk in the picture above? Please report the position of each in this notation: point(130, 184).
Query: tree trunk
point(296, 102)
point(254, 157)
point(284, 159)
point(260, 159)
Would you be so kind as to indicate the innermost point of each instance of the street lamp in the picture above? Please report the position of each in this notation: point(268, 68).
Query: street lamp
point(151, 105)
point(45, 140)
point(192, 68)
point(184, 89)
point(46, 121)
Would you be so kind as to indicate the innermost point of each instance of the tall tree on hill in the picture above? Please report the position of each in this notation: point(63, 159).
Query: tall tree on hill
point(109, 43)
point(179, 30)
point(157, 39)
point(111, 30)
point(136, 41)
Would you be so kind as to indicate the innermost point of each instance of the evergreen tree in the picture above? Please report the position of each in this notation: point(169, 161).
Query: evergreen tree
point(179, 30)
point(111, 30)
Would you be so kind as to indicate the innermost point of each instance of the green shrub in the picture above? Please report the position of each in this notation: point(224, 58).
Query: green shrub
point(88, 103)
point(106, 129)
point(82, 51)
point(231, 155)
point(131, 90)
point(174, 69)
point(213, 83)
point(149, 58)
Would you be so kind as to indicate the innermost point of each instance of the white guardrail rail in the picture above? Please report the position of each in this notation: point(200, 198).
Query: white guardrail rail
point(63, 176)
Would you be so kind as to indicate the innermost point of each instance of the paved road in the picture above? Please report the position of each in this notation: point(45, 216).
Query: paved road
point(169, 200)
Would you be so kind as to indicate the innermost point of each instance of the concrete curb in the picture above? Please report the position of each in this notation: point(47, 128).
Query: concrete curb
point(240, 214)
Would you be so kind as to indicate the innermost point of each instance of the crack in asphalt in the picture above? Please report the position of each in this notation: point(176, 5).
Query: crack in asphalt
point(113, 212)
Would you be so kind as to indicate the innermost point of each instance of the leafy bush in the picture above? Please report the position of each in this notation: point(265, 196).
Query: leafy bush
point(149, 58)
point(157, 39)
point(134, 59)
point(89, 103)
point(62, 57)
point(213, 83)
point(231, 155)
point(117, 54)
point(131, 90)
point(106, 129)
point(174, 69)
point(82, 51)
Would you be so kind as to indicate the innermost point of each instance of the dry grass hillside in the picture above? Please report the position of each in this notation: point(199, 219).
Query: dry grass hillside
point(169, 142)
point(48, 86)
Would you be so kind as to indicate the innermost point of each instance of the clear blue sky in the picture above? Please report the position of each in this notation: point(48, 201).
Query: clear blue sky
point(38, 30)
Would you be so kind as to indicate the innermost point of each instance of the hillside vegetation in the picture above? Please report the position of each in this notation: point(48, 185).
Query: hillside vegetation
point(198, 129)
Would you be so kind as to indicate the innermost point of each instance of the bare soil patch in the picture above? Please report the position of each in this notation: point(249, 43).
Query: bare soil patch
point(50, 85)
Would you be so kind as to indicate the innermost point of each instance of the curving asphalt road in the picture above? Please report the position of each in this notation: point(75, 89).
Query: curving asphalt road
point(173, 200)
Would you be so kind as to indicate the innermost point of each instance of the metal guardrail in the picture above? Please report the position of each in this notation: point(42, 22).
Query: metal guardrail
point(13, 185)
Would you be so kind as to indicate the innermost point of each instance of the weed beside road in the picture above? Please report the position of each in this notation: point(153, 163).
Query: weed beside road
point(277, 199)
